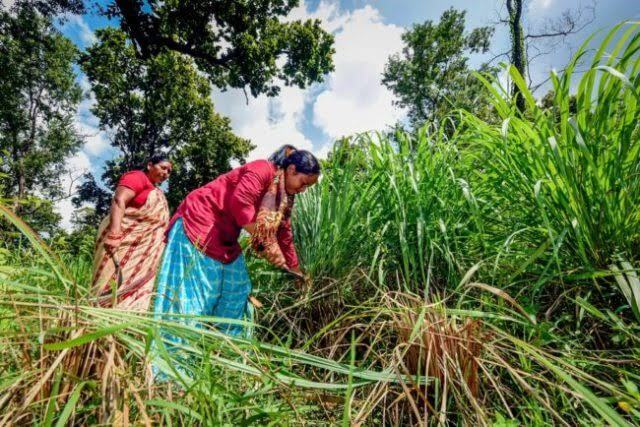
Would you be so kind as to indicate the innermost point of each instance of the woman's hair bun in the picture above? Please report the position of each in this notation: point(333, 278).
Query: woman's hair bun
point(303, 160)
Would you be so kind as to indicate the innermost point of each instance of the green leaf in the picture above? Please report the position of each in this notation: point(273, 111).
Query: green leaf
point(70, 407)
point(83, 339)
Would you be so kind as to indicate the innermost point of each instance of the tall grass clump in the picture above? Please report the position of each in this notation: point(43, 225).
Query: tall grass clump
point(538, 210)
point(560, 184)
point(570, 172)
point(67, 361)
point(387, 200)
point(547, 196)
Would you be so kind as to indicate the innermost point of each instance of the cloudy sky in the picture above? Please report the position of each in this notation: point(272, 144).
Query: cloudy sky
point(352, 99)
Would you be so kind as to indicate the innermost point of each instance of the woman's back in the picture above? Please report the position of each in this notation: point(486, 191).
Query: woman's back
point(230, 201)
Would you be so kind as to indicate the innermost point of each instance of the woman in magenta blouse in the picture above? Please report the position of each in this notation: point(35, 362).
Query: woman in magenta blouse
point(203, 271)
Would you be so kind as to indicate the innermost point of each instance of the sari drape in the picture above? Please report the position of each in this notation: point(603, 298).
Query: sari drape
point(125, 278)
point(275, 206)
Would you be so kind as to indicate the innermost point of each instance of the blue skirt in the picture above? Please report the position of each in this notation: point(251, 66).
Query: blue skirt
point(189, 282)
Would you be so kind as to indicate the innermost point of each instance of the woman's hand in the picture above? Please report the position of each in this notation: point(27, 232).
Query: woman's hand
point(296, 270)
point(112, 242)
point(301, 282)
point(273, 254)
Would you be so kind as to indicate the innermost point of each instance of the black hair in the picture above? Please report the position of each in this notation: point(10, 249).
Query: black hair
point(157, 158)
point(303, 160)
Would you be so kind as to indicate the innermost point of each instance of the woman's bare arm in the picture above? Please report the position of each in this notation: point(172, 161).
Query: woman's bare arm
point(273, 253)
point(119, 203)
point(121, 199)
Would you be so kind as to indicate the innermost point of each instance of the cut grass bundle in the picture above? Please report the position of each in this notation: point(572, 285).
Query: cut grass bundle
point(442, 348)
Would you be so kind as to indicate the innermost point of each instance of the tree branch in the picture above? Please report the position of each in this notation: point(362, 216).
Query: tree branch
point(145, 32)
point(548, 35)
point(188, 49)
point(567, 24)
point(72, 184)
point(506, 53)
point(534, 88)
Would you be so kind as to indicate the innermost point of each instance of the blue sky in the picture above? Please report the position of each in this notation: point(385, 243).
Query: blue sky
point(352, 98)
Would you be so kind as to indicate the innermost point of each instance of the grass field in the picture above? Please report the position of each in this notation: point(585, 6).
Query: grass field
point(482, 278)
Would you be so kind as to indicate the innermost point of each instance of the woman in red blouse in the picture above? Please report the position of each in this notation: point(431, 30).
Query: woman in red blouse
point(203, 270)
point(131, 238)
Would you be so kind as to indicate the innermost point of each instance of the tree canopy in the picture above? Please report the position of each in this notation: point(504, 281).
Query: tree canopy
point(152, 81)
point(237, 43)
point(50, 8)
point(37, 110)
point(431, 76)
point(160, 104)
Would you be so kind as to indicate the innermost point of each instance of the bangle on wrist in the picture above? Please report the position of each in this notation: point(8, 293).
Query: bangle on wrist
point(115, 236)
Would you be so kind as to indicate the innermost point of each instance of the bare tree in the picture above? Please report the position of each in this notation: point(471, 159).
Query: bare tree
point(527, 46)
point(518, 56)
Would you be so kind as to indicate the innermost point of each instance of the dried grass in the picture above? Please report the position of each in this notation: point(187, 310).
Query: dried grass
point(57, 373)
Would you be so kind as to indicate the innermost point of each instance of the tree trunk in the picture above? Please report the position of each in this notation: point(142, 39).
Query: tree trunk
point(22, 184)
point(135, 25)
point(518, 58)
point(23, 149)
point(18, 168)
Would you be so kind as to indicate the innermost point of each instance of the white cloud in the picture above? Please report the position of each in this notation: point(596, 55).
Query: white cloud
point(85, 85)
point(327, 11)
point(352, 99)
point(96, 141)
point(87, 160)
point(538, 5)
point(76, 25)
point(324, 151)
point(267, 122)
point(356, 100)
point(87, 125)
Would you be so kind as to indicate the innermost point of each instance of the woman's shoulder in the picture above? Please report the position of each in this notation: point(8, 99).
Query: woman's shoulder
point(261, 167)
point(136, 173)
point(134, 177)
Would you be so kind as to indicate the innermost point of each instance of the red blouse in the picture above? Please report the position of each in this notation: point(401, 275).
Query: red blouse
point(140, 183)
point(214, 214)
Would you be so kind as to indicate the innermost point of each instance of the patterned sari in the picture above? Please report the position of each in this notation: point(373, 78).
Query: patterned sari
point(125, 279)
point(275, 206)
